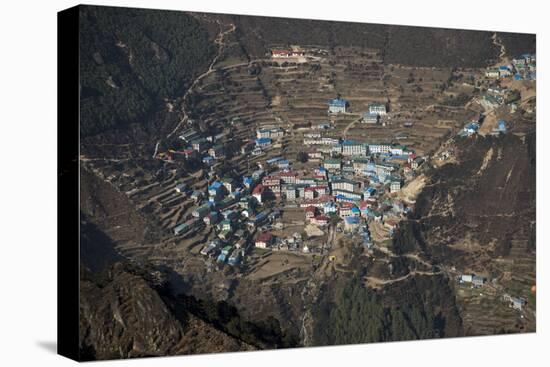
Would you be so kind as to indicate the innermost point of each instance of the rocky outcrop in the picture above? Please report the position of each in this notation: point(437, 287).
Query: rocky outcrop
point(125, 313)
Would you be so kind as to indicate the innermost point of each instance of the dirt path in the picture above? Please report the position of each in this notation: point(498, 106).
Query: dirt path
point(350, 125)
point(376, 282)
point(486, 161)
point(220, 41)
point(497, 42)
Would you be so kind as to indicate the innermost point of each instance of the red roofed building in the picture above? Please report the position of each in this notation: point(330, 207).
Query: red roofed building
point(318, 202)
point(371, 200)
point(315, 191)
point(280, 53)
point(273, 184)
point(309, 193)
point(259, 192)
point(288, 177)
point(345, 209)
point(264, 240)
point(364, 204)
point(320, 220)
point(325, 198)
point(311, 212)
point(190, 153)
point(321, 190)
point(390, 224)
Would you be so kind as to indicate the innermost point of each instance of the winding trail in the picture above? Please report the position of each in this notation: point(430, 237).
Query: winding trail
point(220, 38)
point(497, 42)
point(220, 41)
point(350, 125)
point(377, 282)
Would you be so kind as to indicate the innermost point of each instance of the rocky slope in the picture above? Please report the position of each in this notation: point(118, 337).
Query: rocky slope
point(488, 197)
point(123, 314)
point(478, 216)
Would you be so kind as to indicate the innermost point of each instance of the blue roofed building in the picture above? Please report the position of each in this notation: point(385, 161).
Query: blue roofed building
point(351, 223)
point(215, 191)
point(337, 105)
point(504, 71)
point(263, 142)
point(273, 160)
point(283, 164)
point(350, 148)
point(369, 191)
point(370, 118)
point(500, 128)
point(378, 109)
point(248, 181)
point(471, 128)
point(208, 160)
point(235, 257)
point(329, 207)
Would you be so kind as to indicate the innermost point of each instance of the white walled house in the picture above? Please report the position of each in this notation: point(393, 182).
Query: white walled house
point(378, 109)
point(337, 105)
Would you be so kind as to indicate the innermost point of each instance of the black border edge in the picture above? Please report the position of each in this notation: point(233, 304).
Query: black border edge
point(68, 206)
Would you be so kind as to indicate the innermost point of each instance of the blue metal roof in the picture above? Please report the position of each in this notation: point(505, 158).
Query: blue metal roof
point(338, 102)
point(263, 140)
point(472, 126)
point(273, 160)
point(349, 142)
point(215, 185)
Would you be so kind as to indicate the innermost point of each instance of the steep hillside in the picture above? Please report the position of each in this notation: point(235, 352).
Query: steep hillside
point(478, 216)
point(131, 59)
point(518, 43)
point(490, 195)
point(123, 314)
point(439, 47)
point(416, 46)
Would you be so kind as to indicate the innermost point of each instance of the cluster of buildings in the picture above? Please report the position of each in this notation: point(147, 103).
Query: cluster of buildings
point(472, 280)
point(265, 137)
point(337, 105)
point(286, 53)
point(472, 127)
point(521, 68)
point(210, 149)
point(517, 303)
point(375, 111)
point(353, 181)
point(495, 96)
point(231, 207)
point(207, 149)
